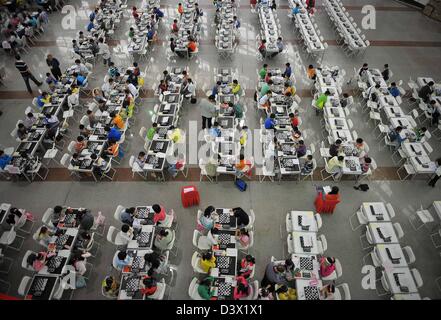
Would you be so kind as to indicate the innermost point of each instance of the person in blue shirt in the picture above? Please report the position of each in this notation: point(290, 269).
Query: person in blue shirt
point(127, 216)
point(112, 133)
point(215, 130)
point(270, 122)
point(158, 13)
point(395, 136)
point(4, 159)
point(80, 79)
point(113, 71)
point(90, 26)
point(43, 99)
point(216, 88)
point(93, 15)
point(150, 33)
point(121, 260)
point(288, 71)
point(394, 91)
point(296, 9)
point(236, 22)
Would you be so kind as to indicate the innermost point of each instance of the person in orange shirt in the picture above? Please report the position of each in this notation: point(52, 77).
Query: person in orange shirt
point(312, 74)
point(180, 8)
point(112, 149)
point(117, 120)
point(242, 167)
point(192, 47)
point(80, 144)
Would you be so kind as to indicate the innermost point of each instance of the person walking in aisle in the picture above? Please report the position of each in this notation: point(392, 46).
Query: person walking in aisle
point(26, 73)
point(208, 111)
point(54, 65)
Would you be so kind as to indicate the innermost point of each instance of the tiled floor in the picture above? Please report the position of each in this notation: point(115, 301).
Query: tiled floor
point(407, 40)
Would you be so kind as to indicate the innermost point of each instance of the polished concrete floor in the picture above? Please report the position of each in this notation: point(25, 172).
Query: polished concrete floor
point(411, 52)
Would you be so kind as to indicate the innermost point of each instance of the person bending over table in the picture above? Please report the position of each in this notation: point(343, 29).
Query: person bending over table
point(242, 217)
point(208, 111)
point(242, 289)
point(395, 137)
point(207, 261)
point(321, 101)
point(264, 101)
point(274, 274)
point(437, 174)
point(243, 237)
point(335, 166)
point(121, 260)
point(270, 122)
point(159, 213)
point(327, 292)
point(204, 288)
point(246, 266)
point(242, 168)
point(163, 239)
point(206, 221)
point(311, 72)
point(110, 287)
point(148, 284)
point(426, 91)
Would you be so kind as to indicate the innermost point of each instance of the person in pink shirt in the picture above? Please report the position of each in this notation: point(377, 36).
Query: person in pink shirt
point(40, 262)
point(242, 289)
point(159, 213)
point(327, 266)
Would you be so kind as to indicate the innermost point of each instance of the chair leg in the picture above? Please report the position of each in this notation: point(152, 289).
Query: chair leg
point(414, 219)
point(363, 240)
point(378, 285)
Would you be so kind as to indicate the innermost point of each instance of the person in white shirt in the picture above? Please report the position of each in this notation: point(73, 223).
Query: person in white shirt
point(133, 90)
point(375, 89)
point(29, 120)
point(107, 87)
point(73, 99)
point(264, 100)
point(126, 234)
point(104, 51)
point(190, 90)
point(80, 68)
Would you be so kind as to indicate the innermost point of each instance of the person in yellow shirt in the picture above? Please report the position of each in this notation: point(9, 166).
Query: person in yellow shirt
point(235, 87)
point(208, 261)
point(175, 134)
point(289, 90)
point(335, 165)
point(117, 120)
point(285, 293)
point(243, 136)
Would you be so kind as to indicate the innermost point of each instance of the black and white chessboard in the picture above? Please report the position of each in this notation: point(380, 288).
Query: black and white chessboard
point(224, 289)
point(132, 284)
point(224, 218)
point(306, 263)
point(138, 263)
point(144, 238)
point(224, 238)
point(223, 262)
point(143, 213)
point(311, 293)
point(39, 284)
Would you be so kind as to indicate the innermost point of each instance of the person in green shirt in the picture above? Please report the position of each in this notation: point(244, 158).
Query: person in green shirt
point(238, 110)
point(263, 71)
point(321, 101)
point(265, 88)
point(204, 288)
point(131, 33)
point(419, 134)
point(152, 131)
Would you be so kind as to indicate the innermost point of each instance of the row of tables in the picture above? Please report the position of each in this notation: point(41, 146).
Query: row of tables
point(335, 120)
point(387, 248)
point(270, 28)
point(187, 23)
point(416, 154)
point(225, 32)
point(344, 26)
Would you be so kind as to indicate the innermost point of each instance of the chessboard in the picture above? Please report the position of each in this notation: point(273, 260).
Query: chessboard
point(39, 284)
point(55, 263)
point(224, 218)
point(224, 238)
point(224, 290)
point(289, 165)
point(144, 213)
point(306, 263)
point(61, 240)
point(138, 263)
point(311, 293)
point(144, 239)
point(226, 265)
point(132, 284)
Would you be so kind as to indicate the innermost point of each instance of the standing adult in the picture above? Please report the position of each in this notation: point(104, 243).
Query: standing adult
point(26, 73)
point(54, 65)
point(437, 174)
point(208, 111)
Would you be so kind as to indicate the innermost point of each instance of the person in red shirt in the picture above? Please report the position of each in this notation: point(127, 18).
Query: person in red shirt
point(148, 285)
point(262, 48)
point(242, 289)
point(175, 27)
point(247, 266)
point(159, 213)
point(327, 266)
point(135, 13)
point(294, 118)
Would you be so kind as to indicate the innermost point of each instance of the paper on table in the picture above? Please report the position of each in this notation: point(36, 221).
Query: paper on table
point(231, 252)
point(188, 189)
point(214, 272)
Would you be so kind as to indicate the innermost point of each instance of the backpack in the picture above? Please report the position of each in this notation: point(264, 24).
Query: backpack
point(241, 185)
point(193, 100)
point(364, 187)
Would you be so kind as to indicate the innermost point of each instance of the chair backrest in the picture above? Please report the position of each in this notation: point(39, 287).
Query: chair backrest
point(290, 244)
point(410, 255)
point(318, 219)
point(347, 292)
point(428, 148)
point(131, 161)
point(71, 147)
point(255, 290)
point(84, 121)
point(47, 216)
point(324, 242)
point(374, 165)
point(65, 160)
point(112, 230)
point(390, 210)
point(398, 230)
point(417, 277)
point(195, 261)
point(143, 133)
point(25, 282)
point(24, 262)
point(252, 218)
point(338, 268)
point(193, 290)
point(117, 214)
point(196, 236)
point(288, 222)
